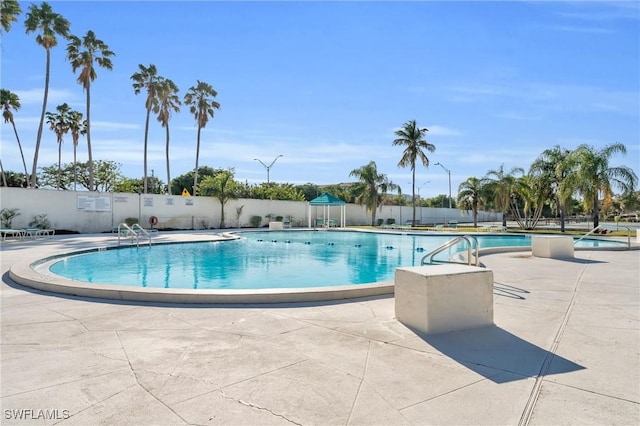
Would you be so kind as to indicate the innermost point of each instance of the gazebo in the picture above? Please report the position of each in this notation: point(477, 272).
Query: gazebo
point(327, 200)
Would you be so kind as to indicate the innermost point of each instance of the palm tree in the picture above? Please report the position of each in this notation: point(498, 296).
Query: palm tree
point(9, 11)
point(9, 101)
point(470, 194)
point(50, 25)
point(78, 127)
point(501, 185)
point(412, 138)
point(554, 167)
point(372, 188)
point(168, 101)
point(223, 187)
point(202, 106)
point(594, 176)
point(59, 123)
point(4, 177)
point(147, 79)
point(95, 50)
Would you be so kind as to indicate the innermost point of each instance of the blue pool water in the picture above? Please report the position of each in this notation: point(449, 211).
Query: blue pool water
point(282, 259)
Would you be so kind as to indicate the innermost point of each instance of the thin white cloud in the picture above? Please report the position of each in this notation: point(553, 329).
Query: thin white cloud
point(442, 131)
point(110, 125)
point(510, 115)
point(582, 29)
point(55, 96)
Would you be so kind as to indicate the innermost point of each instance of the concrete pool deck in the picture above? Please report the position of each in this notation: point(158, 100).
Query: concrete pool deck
point(565, 350)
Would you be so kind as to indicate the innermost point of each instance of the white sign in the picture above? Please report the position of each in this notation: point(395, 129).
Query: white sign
point(94, 203)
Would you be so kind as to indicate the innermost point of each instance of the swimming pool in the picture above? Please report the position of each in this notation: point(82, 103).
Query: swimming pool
point(268, 260)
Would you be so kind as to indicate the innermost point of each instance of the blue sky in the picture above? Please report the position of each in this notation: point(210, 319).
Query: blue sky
point(326, 84)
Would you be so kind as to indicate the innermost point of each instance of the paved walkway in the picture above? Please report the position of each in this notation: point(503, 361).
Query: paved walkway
point(565, 350)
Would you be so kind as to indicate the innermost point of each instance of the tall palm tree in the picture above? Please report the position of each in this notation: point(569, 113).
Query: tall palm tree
point(501, 185)
point(372, 187)
point(554, 167)
point(4, 177)
point(593, 175)
point(59, 123)
point(78, 127)
point(147, 79)
point(9, 11)
point(470, 194)
point(412, 137)
point(9, 101)
point(82, 53)
point(201, 104)
point(50, 25)
point(168, 101)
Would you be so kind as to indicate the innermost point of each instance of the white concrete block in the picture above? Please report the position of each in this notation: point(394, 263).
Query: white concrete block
point(553, 246)
point(444, 298)
point(276, 226)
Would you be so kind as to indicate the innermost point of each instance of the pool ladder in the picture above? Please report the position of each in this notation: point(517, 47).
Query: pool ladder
point(133, 232)
point(472, 244)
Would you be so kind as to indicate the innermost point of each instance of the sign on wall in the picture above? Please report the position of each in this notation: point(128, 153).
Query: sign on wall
point(93, 203)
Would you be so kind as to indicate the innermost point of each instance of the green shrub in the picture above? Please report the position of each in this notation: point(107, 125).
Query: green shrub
point(7, 215)
point(379, 222)
point(279, 218)
point(255, 221)
point(40, 221)
point(130, 221)
point(391, 221)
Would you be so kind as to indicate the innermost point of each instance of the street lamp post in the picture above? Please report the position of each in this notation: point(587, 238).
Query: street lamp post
point(269, 166)
point(449, 173)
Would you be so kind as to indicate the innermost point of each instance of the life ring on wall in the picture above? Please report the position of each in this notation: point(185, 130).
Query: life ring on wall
point(153, 220)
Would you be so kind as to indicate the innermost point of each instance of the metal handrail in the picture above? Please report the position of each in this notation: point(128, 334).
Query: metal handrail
point(450, 243)
point(140, 230)
point(131, 232)
point(587, 234)
point(600, 226)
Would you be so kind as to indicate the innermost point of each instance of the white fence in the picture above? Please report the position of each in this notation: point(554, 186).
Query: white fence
point(92, 212)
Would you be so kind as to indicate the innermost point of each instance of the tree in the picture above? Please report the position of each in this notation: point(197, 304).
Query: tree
point(593, 175)
point(202, 105)
point(12, 179)
point(553, 166)
point(412, 138)
point(83, 53)
point(4, 177)
point(106, 175)
point(147, 79)
point(78, 127)
point(185, 181)
point(221, 186)
point(50, 25)
point(168, 101)
point(529, 194)
point(156, 186)
point(501, 185)
point(59, 124)
point(11, 101)
point(9, 11)
point(371, 188)
point(470, 195)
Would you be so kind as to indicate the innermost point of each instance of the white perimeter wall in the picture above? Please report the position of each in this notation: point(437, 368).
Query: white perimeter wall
point(92, 212)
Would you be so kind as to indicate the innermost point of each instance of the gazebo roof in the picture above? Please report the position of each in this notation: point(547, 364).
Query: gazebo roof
point(326, 199)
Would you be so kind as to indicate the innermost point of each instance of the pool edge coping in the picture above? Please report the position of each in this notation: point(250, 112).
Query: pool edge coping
point(24, 273)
